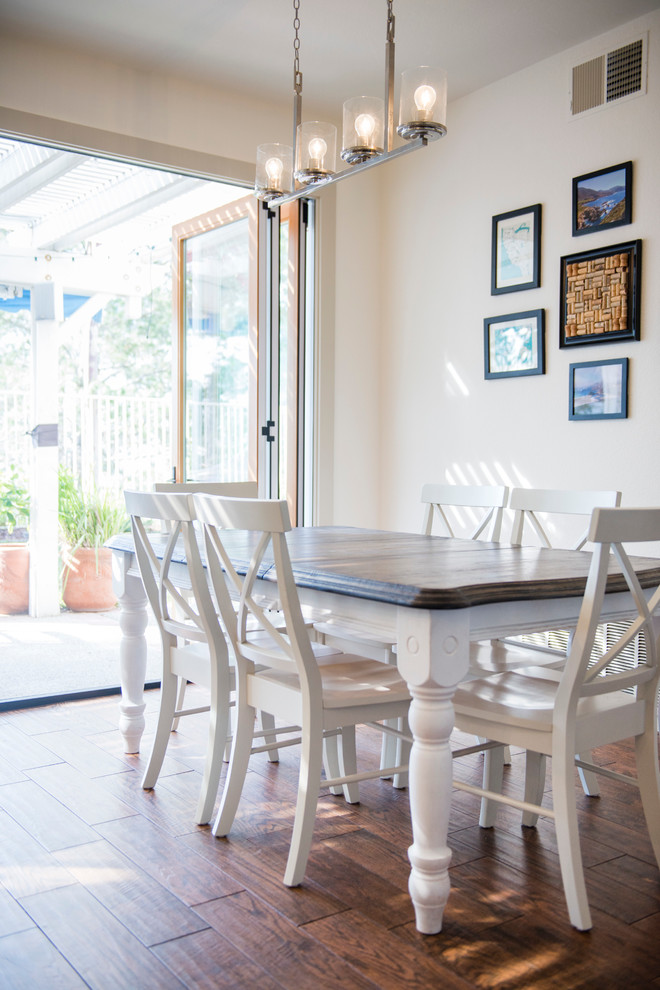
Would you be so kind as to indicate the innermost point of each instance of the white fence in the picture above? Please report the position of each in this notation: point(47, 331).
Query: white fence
point(121, 442)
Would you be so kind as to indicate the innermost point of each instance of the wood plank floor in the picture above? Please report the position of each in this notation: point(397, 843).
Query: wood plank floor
point(105, 885)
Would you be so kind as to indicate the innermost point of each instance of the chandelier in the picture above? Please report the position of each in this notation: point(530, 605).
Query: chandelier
point(368, 128)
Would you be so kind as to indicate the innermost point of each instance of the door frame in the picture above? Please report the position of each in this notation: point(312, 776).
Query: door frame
point(230, 213)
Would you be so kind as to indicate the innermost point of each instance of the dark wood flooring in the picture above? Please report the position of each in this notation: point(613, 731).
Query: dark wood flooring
point(104, 885)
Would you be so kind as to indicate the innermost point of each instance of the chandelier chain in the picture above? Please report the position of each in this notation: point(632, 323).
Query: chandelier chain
point(297, 74)
point(390, 21)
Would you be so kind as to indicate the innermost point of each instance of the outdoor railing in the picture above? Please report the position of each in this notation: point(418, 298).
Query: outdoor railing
point(121, 442)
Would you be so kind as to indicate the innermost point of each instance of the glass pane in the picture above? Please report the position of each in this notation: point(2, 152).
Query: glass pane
point(216, 354)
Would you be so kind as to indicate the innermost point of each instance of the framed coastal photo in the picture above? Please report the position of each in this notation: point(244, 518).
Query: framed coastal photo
point(516, 250)
point(598, 390)
point(514, 345)
point(602, 199)
point(600, 295)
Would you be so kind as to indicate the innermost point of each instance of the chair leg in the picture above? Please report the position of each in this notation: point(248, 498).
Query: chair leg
point(534, 785)
point(348, 762)
point(215, 747)
point(402, 754)
point(311, 759)
point(168, 694)
point(588, 778)
point(180, 699)
point(388, 746)
point(568, 839)
point(268, 722)
point(493, 776)
point(331, 762)
point(238, 766)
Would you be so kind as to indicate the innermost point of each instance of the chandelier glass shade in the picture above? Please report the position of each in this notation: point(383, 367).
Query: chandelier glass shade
point(364, 125)
point(274, 171)
point(423, 105)
point(316, 152)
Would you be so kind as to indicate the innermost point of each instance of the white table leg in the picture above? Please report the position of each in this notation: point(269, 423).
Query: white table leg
point(432, 655)
point(133, 621)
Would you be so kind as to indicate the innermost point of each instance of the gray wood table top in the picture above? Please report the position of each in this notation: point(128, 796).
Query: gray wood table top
point(430, 572)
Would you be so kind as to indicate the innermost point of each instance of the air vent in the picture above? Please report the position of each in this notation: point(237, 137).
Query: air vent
point(624, 71)
point(609, 76)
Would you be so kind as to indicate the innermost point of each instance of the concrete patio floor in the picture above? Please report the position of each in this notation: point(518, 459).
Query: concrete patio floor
point(72, 651)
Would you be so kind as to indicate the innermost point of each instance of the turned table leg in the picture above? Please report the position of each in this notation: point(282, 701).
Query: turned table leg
point(432, 655)
point(132, 651)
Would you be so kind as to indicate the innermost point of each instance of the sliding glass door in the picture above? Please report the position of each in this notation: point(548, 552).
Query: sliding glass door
point(241, 380)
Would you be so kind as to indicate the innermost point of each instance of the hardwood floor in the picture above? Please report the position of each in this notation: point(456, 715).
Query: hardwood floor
point(105, 885)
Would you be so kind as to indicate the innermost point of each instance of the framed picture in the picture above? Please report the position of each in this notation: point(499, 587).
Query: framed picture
point(516, 251)
point(600, 295)
point(598, 390)
point(514, 345)
point(602, 199)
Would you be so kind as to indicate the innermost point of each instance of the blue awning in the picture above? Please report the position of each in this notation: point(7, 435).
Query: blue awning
point(14, 304)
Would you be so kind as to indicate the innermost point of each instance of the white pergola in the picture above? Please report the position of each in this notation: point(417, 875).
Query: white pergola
point(74, 225)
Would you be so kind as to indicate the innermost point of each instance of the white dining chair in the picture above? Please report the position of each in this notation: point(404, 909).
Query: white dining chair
point(193, 647)
point(478, 510)
point(451, 506)
point(280, 672)
point(538, 511)
point(589, 702)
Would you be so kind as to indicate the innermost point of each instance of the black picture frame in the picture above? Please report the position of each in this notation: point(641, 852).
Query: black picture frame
point(612, 208)
point(600, 294)
point(514, 345)
point(516, 250)
point(598, 390)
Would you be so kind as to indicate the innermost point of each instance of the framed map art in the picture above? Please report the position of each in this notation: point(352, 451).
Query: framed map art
point(516, 250)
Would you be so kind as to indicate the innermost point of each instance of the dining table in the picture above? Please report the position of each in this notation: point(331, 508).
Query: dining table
point(430, 595)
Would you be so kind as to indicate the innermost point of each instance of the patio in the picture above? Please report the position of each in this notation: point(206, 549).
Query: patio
point(65, 653)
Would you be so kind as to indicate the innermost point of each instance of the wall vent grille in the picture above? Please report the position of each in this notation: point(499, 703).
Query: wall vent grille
point(624, 71)
point(609, 76)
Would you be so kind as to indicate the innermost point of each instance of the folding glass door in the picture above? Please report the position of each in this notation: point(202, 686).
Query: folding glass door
point(240, 304)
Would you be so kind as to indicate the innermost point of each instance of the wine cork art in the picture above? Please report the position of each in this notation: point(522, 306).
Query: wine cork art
point(600, 295)
point(597, 295)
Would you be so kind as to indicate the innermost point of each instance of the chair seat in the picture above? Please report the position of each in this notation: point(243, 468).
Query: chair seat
point(349, 682)
point(526, 697)
point(497, 656)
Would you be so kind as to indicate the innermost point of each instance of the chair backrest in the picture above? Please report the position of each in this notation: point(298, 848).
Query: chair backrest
point(235, 489)
point(263, 524)
point(527, 502)
point(587, 674)
point(490, 498)
point(177, 614)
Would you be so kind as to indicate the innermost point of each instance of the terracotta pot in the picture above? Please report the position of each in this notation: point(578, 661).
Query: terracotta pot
point(14, 578)
point(87, 581)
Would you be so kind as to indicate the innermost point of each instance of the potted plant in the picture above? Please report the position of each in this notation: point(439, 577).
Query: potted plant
point(87, 520)
point(14, 552)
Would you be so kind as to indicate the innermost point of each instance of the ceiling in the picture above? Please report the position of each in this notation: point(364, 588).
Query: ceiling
point(55, 203)
point(247, 45)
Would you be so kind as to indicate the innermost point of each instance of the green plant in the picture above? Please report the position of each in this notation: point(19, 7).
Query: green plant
point(87, 518)
point(14, 502)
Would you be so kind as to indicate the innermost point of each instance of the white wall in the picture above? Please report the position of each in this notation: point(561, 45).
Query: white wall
point(406, 270)
point(509, 146)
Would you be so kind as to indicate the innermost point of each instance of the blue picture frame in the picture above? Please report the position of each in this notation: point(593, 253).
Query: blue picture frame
point(516, 250)
point(514, 345)
point(598, 390)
